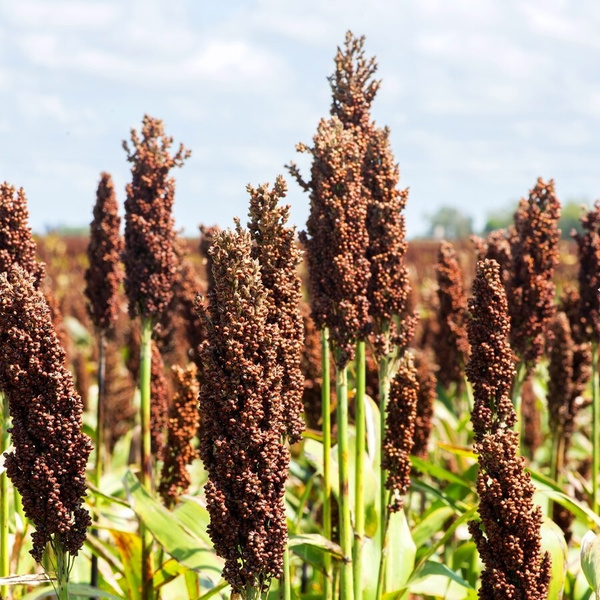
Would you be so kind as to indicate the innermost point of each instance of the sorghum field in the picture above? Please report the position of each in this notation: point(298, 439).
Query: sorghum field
point(331, 414)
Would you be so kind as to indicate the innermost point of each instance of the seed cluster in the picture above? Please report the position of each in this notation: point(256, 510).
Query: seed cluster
point(17, 245)
point(508, 536)
point(497, 246)
point(531, 289)
point(150, 259)
point(207, 237)
point(159, 403)
point(399, 431)
point(243, 419)
point(588, 245)
point(389, 286)
point(274, 246)
point(105, 273)
point(336, 238)
point(311, 370)
point(450, 345)
point(47, 465)
point(184, 420)
point(425, 402)
point(352, 85)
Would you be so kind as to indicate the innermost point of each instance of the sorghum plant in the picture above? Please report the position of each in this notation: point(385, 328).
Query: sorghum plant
point(451, 345)
point(103, 278)
point(243, 417)
point(336, 242)
point(17, 247)
point(508, 536)
point(184, 420)
point(47, 465)
point(150, 263)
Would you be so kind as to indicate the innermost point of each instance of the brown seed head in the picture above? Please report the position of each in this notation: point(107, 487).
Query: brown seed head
point(274, 246)
point(150, 259)
point(17, 245)
point(389, 285)
point(336, 237)
point(425, 403)
point(242, 413)
point(47, 465)
point(451, 345)
point(105, 273)
point(588, 245)
point(184, 420)
point(399, 431)
point(531, 289)
point(508, 536)
point(352, 85)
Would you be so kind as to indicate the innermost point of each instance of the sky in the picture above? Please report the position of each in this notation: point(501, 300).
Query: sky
point(481, 97)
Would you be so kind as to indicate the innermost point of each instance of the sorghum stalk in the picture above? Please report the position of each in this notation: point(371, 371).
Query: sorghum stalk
point(595, 427)
point(326, 426)
point(146, 462)
point(341, 385)
point(361, 434)
point(4, 512)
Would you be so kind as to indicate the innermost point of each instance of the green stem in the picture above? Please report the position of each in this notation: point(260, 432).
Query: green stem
point(384, 392)
point(326, 424)
point(595, 426)
point(286, 592)
point(146, 453)
point(383, 557)
point(346, 581)
point(100, 409)
point(359, 498)
point(62, 570)
point(557, 460)
point(516, 400)
point(99, 435)
point(4, 513)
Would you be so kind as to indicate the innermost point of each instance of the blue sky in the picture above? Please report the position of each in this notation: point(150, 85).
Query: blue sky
point(482, 97)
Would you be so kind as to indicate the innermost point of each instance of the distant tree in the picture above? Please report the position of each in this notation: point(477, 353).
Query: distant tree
point(449, 223)
point(499, 219)
point(571, 212)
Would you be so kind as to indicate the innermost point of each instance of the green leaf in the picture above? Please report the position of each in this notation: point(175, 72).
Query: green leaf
point(438, 472)
point(401, 552)
point(130, 551)
point(299, 543)
point(553, 542)
point(193, 516)
point(431, 524)
point(465, 451)
point(430, 569)
point(186, 548)
point(167, 572)
point(590, 560)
